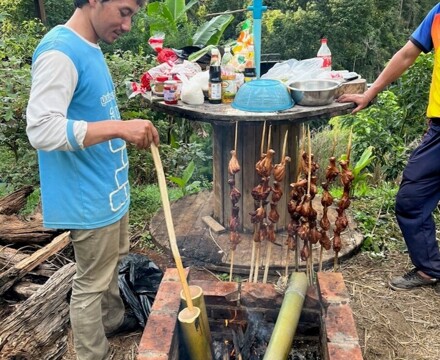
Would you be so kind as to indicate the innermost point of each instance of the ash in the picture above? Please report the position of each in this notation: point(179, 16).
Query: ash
point(251, 344)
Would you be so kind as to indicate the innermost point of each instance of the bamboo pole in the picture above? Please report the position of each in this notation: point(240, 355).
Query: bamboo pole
point(195, 338)
point(287, 321)
point(231, 269)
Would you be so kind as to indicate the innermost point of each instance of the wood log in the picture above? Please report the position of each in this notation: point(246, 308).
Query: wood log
point(14, 230)
point(9, 257)
point(25, 289)
point(14, 202)
point(37, 329)
point(12, 275)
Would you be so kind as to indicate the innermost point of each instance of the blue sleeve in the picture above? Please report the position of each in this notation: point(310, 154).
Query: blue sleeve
point(71, 135)
point(421, 37)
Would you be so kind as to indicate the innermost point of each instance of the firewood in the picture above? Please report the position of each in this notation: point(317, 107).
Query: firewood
point(14, 230)
point(37, 329)
point(15, 201)
point(12, 275)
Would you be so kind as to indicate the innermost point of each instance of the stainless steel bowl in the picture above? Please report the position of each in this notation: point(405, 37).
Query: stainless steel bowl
point(313, 92)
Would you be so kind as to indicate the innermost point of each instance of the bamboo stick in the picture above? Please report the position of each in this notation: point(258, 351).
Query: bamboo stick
point(195, 338)
point(231, 268)
point(287, 321)
point(268, 256)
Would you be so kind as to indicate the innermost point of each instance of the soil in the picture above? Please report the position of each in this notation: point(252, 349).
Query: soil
point(391, 325)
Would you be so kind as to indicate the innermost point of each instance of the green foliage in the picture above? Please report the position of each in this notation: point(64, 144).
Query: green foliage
point(375, 219)
point(182, 182)
point(171, 18)
point(379, 126)
point(360, 177)
point(145, 201)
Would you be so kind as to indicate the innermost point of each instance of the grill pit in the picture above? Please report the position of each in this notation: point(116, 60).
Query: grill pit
point(243, 314)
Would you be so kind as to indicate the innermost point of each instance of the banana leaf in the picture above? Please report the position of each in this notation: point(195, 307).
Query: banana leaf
point(198, 54)
point(178, 8)
point(211, 32)
point(161, 16)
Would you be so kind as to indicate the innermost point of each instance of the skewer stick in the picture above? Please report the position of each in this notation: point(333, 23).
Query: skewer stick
point(321, 253)
point(257, 262)
point(232, 266)
point(286, 270)
point(263, 137)
point(236, 136)
point(269, 139)
point(268, 256)
point(309, 183)
point(349, 144)
point(254, 246)
point(284, 145)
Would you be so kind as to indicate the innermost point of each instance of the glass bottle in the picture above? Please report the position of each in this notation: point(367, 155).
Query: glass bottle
point(215, 78)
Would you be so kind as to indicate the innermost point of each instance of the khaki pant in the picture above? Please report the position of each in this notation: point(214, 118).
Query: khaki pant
point(96, 306)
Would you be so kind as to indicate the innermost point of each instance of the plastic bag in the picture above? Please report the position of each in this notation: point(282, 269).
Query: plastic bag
point(139, 279)
point(295, 70)
point(192, 92)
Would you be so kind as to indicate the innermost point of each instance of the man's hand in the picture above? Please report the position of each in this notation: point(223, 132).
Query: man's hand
point(141, 133)
point(361, 100)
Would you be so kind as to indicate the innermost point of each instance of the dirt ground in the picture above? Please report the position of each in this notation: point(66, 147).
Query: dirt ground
point(391, 325)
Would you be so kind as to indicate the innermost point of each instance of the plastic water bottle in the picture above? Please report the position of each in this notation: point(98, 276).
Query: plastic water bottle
point(326, 55)
point(229, 85)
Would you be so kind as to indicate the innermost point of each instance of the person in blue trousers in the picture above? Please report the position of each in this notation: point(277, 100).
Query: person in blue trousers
point(419, 191)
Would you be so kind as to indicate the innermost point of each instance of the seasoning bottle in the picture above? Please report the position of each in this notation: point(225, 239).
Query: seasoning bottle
point(170, 92)
point(326, 55)
point(158, 85)
point(215, 80)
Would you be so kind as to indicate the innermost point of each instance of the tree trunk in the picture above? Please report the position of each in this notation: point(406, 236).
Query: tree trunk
point(37, 328)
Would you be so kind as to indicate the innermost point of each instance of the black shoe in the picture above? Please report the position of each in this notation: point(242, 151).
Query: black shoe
point(410, 280)
point(129, 324)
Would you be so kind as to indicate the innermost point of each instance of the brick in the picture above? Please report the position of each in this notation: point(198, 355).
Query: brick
point(344, 352)
point(340, 325)
point(260, 296)
point(332, 288)
point(168, 298)
point(159, 336)
point(171, 274)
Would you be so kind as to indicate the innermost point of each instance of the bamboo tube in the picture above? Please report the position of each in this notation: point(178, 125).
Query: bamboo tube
point(196, 340)
point(231, 268)
point(199, 301)
point(287, 321)
point(193, 334)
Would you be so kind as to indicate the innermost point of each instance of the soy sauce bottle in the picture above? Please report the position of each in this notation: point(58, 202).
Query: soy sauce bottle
point(215, 78)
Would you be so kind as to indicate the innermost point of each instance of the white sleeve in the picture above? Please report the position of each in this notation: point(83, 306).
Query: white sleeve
point(54, 79)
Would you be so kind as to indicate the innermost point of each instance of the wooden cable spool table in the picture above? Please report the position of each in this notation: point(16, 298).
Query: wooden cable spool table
point(223, 119)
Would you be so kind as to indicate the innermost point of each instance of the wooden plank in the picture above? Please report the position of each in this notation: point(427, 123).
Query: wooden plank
point(37, 329)
point(214, 225)
point(13, 274)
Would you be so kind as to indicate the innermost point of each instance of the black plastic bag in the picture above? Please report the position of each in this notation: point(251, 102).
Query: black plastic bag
point(139, 279)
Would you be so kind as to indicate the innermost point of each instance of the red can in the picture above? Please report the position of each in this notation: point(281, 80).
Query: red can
point(170, 92)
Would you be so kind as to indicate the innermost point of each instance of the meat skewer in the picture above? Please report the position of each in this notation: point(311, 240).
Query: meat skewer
point(279, 171)
point(341, 221)
point(234, 195)
point(258, 194)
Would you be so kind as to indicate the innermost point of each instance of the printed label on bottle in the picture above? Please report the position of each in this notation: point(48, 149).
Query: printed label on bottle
point(215, 91)
point(326, 61)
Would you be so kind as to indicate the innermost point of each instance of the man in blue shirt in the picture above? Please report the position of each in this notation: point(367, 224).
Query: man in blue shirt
point(74, 122)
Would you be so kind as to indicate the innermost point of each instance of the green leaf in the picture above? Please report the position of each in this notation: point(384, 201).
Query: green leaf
point(178, 181)
point(198, 54)
point(162, 18)
point(175, 7)
point(188, 172)
point(211, 32)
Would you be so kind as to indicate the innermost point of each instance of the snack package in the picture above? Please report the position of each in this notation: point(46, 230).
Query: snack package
point(156, 41)
point(244, 48)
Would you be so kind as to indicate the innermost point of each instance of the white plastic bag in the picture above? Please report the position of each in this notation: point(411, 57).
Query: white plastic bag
point(293, 70)
point(192, 92)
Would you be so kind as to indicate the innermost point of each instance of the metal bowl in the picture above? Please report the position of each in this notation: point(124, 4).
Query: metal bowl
point(313, 92)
